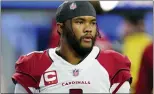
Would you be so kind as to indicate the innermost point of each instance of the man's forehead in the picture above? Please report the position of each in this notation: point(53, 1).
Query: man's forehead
point(85, 17)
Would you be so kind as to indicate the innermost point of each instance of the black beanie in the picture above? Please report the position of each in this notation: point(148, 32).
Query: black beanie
point(71, 9)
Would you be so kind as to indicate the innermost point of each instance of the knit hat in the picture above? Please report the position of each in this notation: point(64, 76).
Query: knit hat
point(71, 9)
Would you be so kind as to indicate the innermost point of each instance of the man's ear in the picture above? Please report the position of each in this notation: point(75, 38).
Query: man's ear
point(59, 28)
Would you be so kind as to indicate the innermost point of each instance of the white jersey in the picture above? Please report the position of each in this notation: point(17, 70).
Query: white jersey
point(47, 72)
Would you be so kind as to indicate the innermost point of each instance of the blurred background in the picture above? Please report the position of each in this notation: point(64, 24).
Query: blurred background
point(125, 26)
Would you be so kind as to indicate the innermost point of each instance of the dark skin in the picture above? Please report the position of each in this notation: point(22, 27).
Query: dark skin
point(84, 28)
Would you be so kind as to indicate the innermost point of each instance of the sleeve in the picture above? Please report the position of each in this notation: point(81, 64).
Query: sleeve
point(121, 71)
point(23, 74)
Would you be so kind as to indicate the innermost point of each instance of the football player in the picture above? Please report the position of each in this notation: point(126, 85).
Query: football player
point(76, 65)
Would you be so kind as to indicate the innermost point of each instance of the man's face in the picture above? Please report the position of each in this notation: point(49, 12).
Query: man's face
point(84, 28)
point(80, 34)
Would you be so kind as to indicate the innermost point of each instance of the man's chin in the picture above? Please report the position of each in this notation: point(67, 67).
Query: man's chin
point(86, 48)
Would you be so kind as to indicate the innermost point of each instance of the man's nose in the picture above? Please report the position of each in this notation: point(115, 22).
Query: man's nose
point(88, 29)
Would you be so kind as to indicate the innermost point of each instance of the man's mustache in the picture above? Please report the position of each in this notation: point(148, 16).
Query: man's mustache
point(87, 36)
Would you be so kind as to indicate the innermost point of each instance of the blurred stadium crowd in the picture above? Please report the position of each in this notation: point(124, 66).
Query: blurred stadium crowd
point(29, 26)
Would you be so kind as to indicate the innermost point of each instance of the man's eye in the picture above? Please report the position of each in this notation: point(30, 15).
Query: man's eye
point(79, 22)
point(94, 23)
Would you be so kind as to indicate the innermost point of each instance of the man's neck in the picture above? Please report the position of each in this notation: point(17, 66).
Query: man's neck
point(68, 53)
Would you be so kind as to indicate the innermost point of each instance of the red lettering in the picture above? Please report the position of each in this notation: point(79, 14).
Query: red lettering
point(66, 84)
point(69, 83)
point(50, 77)
point(63, 84)
point(79, 82)
point(76, 91)
point(73, 82)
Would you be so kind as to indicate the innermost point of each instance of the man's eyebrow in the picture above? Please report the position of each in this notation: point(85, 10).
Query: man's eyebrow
point(84, 19)
point(93, 20)
point(79, 19)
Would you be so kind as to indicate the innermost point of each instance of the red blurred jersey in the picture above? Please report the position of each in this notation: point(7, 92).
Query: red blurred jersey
point(145, 80)
point(54, 37)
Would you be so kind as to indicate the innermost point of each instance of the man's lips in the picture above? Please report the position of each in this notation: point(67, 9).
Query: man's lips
point(87, 38)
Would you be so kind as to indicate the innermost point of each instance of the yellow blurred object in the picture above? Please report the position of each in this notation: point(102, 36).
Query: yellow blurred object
point(133, 47)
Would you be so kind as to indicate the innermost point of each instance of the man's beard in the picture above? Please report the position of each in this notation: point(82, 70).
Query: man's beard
point(75, 43)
